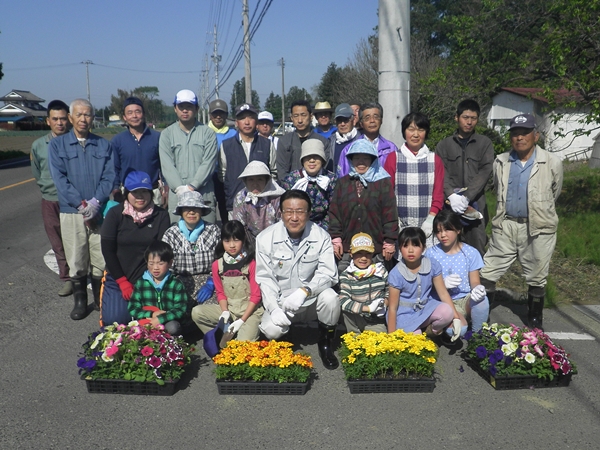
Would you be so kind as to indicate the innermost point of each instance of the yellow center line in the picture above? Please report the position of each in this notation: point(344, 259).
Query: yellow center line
point(17, 184)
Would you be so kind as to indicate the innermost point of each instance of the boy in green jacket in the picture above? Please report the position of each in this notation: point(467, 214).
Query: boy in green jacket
point(158, 297)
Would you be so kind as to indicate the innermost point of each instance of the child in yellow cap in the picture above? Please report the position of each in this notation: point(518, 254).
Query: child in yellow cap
point(364, 288)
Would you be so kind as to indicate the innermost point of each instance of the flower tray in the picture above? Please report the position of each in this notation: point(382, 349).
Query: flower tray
point(261, 388)
point(507, 382)
point(102, 386)
point(391, 386)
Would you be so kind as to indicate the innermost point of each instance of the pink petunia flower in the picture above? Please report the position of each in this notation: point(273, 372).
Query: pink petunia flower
point(147, 351)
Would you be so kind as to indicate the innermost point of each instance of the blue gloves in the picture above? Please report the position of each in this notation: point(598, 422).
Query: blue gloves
point(206, 291)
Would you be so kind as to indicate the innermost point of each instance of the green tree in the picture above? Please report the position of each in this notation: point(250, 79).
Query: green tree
point(327, 89)
point(273, 105)
point(238, 95)
point(296, 93)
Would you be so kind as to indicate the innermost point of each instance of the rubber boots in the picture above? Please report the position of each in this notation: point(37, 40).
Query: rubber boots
point(80, 295)
point(96, 287)
point(535, 304)
point(325, 344)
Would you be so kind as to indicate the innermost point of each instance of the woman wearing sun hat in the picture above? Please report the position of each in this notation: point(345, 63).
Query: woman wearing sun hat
point(193, 241)
point(128, 229)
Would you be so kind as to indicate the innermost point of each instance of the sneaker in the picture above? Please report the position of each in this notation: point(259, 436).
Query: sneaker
point(67, 289)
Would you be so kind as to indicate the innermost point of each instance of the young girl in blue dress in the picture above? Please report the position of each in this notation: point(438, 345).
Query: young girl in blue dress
point(411, 306)
point(460, 269)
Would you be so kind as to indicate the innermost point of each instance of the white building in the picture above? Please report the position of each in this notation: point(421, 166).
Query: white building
point(563, 128)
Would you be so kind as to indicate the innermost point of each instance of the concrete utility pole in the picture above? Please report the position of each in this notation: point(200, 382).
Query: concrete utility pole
point(205, 89)
point(216, 60)
point(87, 76)
point(394, 65)
point(281, 62)
point(247, 53)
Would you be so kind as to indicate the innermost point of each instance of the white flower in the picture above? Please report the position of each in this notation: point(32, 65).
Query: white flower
point(505, 338)
point(509, 349)
point(107, 358)
point(97, 341)
point(530, 358)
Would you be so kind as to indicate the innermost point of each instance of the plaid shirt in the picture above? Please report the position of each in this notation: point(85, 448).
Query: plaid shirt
point(172, 298)
point(193, 258)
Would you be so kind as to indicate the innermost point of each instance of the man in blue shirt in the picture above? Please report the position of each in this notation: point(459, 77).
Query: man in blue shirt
point(136, 149)
point(527, 182)
point(83, 171)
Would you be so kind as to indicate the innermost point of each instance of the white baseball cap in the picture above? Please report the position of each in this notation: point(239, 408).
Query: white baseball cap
point(185, 96)
point(265, 115)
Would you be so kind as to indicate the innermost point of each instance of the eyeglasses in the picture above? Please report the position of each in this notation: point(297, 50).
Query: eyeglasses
point(344, 119)
point(297, 116)
point(294, 212)
point(371, 117)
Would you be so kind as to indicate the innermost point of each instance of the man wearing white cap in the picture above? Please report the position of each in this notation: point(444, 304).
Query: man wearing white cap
point(188, 154)
point(265, 126)
point(236, 152)
point(527, 182)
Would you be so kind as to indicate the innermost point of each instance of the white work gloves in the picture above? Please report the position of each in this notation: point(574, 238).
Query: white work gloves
point(456, 327)
point(181, 189)
point(478, 293)
point(427, 226)
point(293, 302)
point(279, 318)
point(452, 281)
point(376, 306)
point(235, 326)
point(458, 203)
point(225, 315)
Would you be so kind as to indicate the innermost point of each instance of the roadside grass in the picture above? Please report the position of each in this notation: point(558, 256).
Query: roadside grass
point(575, 266)
point(10, 154)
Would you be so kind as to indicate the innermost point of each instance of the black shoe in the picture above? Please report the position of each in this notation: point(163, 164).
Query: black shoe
point(325, 344)
point(80, 295)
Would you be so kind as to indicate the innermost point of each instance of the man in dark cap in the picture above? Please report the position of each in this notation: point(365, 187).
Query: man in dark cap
point(527, 182)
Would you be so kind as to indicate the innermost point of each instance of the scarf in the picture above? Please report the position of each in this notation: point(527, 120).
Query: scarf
point(374, 173)
point(341, 138)
point(272, 189)
point(233, 260)
point(321, 180)
point(138, 217)
point(376, 269)
point(221, 130)
point(191, 235)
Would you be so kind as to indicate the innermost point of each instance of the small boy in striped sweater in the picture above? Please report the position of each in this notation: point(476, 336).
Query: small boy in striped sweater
point(364, 288)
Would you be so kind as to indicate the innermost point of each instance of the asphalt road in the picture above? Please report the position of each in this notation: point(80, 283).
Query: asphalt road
point(44, 404)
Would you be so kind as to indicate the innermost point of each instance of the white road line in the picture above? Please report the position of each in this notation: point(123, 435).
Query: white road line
point(50, 261)
point(558, 335)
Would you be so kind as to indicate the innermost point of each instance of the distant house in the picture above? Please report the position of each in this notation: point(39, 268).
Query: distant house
point(22, 110)
point(553, 123)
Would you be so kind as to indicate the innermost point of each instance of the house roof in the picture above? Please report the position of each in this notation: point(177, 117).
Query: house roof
point(13, 109)
point(17, 95)
point(561, 95)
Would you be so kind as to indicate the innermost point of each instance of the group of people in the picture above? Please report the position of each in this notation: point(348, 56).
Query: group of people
point(328, 223)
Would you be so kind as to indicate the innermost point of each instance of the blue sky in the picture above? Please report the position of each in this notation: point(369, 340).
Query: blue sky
point(42, 44)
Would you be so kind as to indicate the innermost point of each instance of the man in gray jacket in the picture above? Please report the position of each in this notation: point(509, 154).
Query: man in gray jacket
point(289, 146)
point(188, 154)
point(528, 181)
point(468, 160)
point(296, 270)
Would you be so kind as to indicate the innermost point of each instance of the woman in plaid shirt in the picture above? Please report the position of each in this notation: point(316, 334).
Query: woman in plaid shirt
point(193, 242)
